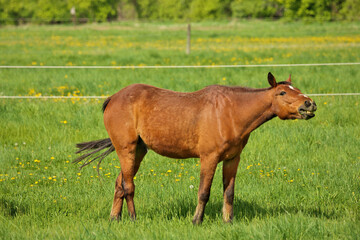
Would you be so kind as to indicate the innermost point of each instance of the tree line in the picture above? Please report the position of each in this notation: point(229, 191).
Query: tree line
point(58, 11)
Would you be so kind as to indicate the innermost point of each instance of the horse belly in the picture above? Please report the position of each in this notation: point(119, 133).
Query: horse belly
point(170, 136)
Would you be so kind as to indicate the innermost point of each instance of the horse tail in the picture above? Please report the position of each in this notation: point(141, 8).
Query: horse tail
point(105, 104)
point(91, 151)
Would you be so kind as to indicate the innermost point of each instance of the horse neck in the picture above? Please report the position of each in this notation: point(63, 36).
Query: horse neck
point(253, 108)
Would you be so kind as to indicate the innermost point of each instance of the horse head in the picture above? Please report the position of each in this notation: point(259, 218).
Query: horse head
point(288, 102)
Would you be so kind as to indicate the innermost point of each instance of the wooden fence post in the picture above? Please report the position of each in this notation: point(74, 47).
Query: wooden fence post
point(188, 42)
point(73, 14)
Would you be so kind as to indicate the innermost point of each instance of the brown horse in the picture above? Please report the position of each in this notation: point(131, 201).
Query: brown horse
point(213, 124)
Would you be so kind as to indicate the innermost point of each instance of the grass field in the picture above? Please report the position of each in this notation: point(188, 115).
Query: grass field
point(296, 179)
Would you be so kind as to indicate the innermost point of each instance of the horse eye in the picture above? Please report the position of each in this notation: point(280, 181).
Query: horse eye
point(282, 93)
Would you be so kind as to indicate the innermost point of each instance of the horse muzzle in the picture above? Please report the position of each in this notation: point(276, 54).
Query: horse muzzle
point(307, 110)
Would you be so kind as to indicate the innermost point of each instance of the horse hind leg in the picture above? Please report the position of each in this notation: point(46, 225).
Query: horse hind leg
point(124, 185)
point(119, 194)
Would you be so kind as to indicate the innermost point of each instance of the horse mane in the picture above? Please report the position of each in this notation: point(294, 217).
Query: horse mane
point(248, 89)
point(285, 83)
point(237, 88)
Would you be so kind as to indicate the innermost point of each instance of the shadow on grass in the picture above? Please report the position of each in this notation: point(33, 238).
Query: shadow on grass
point(245, 210)
point(12, 208)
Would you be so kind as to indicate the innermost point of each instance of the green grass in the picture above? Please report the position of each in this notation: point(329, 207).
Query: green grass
point(296, 179)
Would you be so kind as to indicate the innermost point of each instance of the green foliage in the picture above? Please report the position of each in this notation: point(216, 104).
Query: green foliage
point(169, 9)
point(196, 10)
point(208, 9)
point(127, 9)
point(16, 11)
point(95, 10)
point(147, 9)
point(351, 10)
point(51, 11)
point(256, 8)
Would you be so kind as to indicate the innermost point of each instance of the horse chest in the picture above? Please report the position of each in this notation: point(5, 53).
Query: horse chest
point(231, 149)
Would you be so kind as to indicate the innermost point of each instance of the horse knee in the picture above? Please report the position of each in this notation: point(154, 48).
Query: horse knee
point(129, 189)
point(229, 196)
point(119, 193)
point(204, 197)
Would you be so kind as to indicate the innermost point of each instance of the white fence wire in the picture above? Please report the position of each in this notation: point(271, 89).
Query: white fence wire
point(183, 66)
point(99, 97)
point(171, 67)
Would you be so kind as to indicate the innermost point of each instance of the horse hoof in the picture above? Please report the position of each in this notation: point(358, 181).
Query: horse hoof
point(196, 221)
point(229, 220)
point(114, 218)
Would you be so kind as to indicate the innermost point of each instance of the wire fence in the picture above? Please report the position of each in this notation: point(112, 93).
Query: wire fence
point(103, 97)
point(184, 66)
point(172, 67)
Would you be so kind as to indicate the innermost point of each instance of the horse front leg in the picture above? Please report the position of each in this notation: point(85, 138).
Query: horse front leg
point(207, 171)
point(229, 174)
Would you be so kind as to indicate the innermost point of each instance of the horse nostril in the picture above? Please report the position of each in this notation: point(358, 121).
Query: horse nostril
point(314, 106)
point(307, 103)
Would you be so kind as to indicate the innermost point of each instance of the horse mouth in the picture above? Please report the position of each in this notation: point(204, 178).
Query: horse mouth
point(306, 114)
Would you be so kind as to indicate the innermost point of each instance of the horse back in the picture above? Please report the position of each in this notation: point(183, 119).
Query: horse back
point(167, 121)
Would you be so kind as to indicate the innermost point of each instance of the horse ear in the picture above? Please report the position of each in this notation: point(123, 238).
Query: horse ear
point(272, 80)
point(289, 79)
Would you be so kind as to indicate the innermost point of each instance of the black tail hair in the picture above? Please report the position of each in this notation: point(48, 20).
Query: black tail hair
point(105, 104)
point(89, 156)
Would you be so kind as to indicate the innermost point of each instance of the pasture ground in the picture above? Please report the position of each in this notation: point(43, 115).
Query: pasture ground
point(296, 179)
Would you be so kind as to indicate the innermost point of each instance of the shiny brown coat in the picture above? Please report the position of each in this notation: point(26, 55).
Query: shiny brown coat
point(213, 124)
